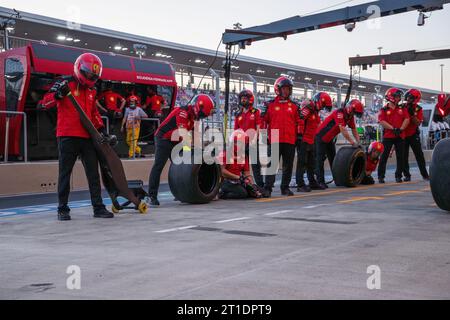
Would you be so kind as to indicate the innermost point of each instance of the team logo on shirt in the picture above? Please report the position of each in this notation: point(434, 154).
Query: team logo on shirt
point(400, 111)
point(289, 104)
point(388, 113)
point(313, 117)
point(252, 117)
point(240, 119)
point(112, 99)
point(277, 108)
point(290, 109)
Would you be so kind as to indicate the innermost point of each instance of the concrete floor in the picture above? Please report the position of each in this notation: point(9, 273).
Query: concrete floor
point(311, 246)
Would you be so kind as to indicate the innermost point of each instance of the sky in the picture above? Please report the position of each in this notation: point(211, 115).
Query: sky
point(201, 23)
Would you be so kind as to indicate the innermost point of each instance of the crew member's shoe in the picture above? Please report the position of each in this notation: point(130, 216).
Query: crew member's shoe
point(398, 180)
point(267, 193)
point(381, 181)
point(407, 179)
point(287, 192)
point(314, 186)
point(64, 213)
point(322, 186)
point(101, 212)
point(304, 188)
point(154, 201)
point(427, 178)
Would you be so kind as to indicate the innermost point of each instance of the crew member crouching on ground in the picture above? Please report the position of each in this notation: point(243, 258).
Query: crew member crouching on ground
point(334, 124)
point(237, 179)
point(373, 155)
point(200, 107)
point(306, 134)
point(73, 139)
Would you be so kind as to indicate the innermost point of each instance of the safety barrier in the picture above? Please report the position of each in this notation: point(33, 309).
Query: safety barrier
point(25, 134)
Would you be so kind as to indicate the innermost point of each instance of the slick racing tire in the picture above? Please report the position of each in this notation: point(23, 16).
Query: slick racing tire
point(194, 183)
point(349, 167)
point(439, 174)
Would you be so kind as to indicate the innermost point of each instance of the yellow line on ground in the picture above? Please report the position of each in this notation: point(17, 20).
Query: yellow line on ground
point(399, 193)
point(356, 199)
point(342, 190)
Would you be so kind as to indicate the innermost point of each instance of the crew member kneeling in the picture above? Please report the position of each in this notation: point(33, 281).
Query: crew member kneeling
point(237, 179)
point(73, 139)
point(180, 118)
point(373, 155)
point(334, 124)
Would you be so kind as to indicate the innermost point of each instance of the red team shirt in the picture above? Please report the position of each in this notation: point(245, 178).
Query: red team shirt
point(309, 122)
point(411, 129)
point(234, 168)
point(329, 128)
point(371, 165)
point(155, 102)
point(68, 118)
point(395, 117)
point(111, 100)
point(180, 117)
point(250, 119)
point(283, 115)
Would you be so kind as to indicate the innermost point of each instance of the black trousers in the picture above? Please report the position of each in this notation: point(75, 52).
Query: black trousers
point(232, 190)
point(163, 151)
point(305, 162)
point(69, 148)
point(287, 153)
point(256, 164)
point(414, 142)
point(399, 144)
point(324, 151)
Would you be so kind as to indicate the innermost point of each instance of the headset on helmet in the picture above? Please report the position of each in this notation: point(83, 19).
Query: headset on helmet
point(323, 100)
point(88, 69)
point(393, 94)
point(355, 107)
point(283, 82)
point(249, 95)
point(413, 96)
point(375, 149)
point(203, 106)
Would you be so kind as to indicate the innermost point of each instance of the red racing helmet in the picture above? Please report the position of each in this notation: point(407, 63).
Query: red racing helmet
point(355, 107)
point(376, 149)
point(88, 69)
point(283, 82)
point(323, 100)
point(443, 105)
point(413, 96)
point(249, 95)
point(203, 106)
point(393, 94)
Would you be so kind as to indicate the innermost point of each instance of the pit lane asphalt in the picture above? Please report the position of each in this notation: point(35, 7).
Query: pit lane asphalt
point(310, 246)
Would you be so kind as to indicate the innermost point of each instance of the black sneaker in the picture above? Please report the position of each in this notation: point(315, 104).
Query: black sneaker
point(103, 213)
point(314, 186)
point(267, 193)
point(381, 181)
point(304, 188)
point(64, 213)
point(287, 192)
point(398, 180)
point(322, 186)
point(427, 178)
point(407, 179)
point(154, 201)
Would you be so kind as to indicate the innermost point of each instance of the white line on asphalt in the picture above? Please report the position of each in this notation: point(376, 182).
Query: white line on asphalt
point(175, 229)
point(231, 220)
point(277, 212)
point(315, 206)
